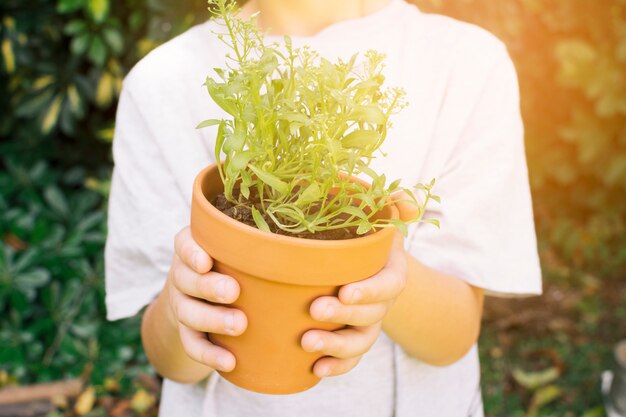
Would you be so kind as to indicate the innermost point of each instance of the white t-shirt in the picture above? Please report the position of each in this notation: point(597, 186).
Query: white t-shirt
point(462, 127)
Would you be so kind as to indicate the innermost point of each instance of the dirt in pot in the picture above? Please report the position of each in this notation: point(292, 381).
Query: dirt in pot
point(244, 215)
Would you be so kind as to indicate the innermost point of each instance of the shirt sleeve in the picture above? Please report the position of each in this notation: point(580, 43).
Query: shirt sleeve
point(487, 235)
point(146, 210)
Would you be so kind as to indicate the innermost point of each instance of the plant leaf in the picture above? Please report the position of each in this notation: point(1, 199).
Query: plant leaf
point(542, 397)
point(364, 227)
point(360, 139)
point(369, 114)
point(311, 194)
point(56, 200)
point(219, 139)
point(353, 211)
point(434, 222)
point(260, 222)
point(209, 122)
point(270, 180)
point(240, 160)
point(234, 141)
point(534, 380)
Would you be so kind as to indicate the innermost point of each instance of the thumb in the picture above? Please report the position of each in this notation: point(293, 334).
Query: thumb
point(407, 209)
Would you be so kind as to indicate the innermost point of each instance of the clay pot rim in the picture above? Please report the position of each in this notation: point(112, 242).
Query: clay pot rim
point(204, 203)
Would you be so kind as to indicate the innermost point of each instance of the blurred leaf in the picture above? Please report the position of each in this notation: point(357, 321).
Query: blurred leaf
point(85, 402)
point(68, 6)
point(56, 200)
point(8, 56)
point(104, 93)
point(260, 222)
point(98, 9)
point(114, 39)
point(75, 27)
point(142, 401)
point(51, 116)
point(97, 51)
point(542, 397)
point(80, 44)
point(534, 380)
point(595, 412)
point(29, 281)
point(76, 104)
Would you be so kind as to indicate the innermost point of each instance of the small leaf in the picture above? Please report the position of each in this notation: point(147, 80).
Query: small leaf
point(369, 114)
point(97, 52)
point(85, 401)
point(394, 185)
point(364, 227)
point(353, 211)
point(245, 190)
point(43, 82)
point(68, 6)
point(295, 118)
point(434, 222)
point(260, 222)
point(360, 139)
point(270, 179)
point(542, 397)
point(104, 90)
point(98, 9)
point(400, 225)
point(75, 27)
point(8, 56)
point(595, 412)
point(311, 194)
point(234, 142)
point(56, 200)
point(33, 279)
point(534, 380)
point(366, 198)
point(209, 122)
point(80, 44)
point(240, 160)
point(219, 140)
point(51, 116)
point(114, 39)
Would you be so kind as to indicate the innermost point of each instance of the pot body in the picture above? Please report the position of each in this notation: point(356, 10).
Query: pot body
point(279, 277)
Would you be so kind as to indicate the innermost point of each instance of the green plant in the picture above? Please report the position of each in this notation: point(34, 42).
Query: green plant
point(301, 127)
point(575, 54)
point(52, 323)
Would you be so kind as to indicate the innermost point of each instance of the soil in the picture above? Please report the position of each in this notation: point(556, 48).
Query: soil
point(244, 215)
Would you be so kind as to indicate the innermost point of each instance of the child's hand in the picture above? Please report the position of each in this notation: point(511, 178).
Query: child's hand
point(362, 306)
point(190, 283)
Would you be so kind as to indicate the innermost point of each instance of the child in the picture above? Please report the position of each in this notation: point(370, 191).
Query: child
point(410, 345)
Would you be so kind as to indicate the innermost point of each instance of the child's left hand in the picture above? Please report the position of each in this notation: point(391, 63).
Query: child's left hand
point(361, 306)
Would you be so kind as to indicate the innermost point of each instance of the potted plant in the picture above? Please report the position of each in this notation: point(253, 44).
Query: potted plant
point(286, 213)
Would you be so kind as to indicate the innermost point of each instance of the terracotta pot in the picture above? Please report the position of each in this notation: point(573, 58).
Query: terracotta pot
point(279, 277)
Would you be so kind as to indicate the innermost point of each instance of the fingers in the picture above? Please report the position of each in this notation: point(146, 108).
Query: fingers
point(330, 309)
point(200, 316)
point(386, 285)
point(343, 344)
point(333, 367)
point(212, 286)
point(191, 253)
point(198, 348)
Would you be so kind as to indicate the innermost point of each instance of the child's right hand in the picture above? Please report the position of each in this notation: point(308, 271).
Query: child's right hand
point(190, 284)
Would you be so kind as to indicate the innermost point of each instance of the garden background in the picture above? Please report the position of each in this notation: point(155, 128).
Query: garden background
point(61, 70)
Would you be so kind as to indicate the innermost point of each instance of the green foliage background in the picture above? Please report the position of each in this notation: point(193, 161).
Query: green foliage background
point(62, 64)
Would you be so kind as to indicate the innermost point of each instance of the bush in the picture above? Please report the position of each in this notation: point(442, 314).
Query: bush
point(571, 60)
point(51, 295)
point(61, 72)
